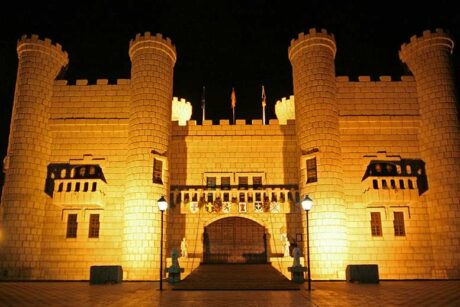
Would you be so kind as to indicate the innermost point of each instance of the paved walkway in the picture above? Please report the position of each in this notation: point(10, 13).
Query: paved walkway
point(395, 293)
point(236, 277)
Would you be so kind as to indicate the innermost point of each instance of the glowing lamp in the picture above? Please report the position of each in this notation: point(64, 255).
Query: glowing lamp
point(162, 204)
point(307, 203)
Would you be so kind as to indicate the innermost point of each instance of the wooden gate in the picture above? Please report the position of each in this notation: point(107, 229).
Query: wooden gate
point(235, 240)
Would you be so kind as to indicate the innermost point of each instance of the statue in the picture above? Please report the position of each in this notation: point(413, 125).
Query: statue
point(183, 248)
point(286, 244)
point(174, 270)
point(175, 258)
point(296, 253)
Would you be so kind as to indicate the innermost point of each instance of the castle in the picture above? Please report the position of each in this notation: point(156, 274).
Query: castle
point(86, 165)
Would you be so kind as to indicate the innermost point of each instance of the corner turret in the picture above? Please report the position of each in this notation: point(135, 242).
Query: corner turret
point(429, 58)
point(39, 62)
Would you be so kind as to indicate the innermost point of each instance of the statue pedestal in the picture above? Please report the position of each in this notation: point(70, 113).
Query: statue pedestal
point(174, 274)
point(297, 274)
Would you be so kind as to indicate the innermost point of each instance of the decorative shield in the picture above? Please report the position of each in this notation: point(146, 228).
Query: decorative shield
point(194, 207)
point(258, 207)
point(210, 207)
point(226, 207)
point(275, 207)
point(242, 208)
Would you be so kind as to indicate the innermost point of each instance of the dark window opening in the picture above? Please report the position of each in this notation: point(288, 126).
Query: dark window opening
point(398, 224)
point(311, 170)
point(274, 197)
point(178, 198)
point(258, 197)
point(195, 197)
point(393, 184)
point(375, 184)
point(157, 171)
point(211, 183)
point(384, 184)
point(410, 184)
point(289, 196)
point(225, 183)
point(242, 197)
point(94, 187)
point(257, 182)
point(250, 198)
point(72, 226)
point(77, 187)
point(376, 224)
point(69, 187)
point(226, 197)
point(210, 197)
point(243, 183)
point(401, 184)
point(60, 187)
point(85, 187)
point(93, 226)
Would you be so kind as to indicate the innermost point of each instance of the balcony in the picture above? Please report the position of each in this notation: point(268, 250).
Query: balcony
point(390, 189)
point(79, 193)
point(237, 201)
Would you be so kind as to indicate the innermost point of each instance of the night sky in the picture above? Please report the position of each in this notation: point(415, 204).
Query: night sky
point(220, 44)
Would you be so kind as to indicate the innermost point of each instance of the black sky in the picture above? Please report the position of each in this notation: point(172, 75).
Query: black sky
point(220, 44)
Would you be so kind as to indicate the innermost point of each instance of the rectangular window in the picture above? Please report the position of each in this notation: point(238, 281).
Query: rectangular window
point(311, 170)
point(398, 224)
point(257, 182)
point(211, 183)
point(157, 171)
point(210, 197)
point(242, 182)
point(242, 197)
point(93, 226)
point(226, 197)
point(72, 226)
point(376, 224)
point(225, 183)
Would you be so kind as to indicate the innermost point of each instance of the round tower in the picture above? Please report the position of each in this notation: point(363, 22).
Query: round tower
point(23, 200)
point(429, 59)
point(317, 128)
point(152, 59)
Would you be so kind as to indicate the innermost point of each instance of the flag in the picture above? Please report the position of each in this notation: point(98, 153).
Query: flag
point(264, 98)
point(203, 100)
point(233, 98)
point(203, 104)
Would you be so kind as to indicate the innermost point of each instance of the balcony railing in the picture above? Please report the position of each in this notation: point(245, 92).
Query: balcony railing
point(388, 189)
point(237, 201)
point(81, 193)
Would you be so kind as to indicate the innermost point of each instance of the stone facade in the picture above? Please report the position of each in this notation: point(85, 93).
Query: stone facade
point(87, 163)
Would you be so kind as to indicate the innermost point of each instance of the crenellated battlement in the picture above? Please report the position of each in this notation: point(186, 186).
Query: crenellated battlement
point(86, 82)
point(312, 38)
point(239, 123)
point(438, 37)
point(34, 43)
point(157, 41)
point(285, 109)
point(365, 79)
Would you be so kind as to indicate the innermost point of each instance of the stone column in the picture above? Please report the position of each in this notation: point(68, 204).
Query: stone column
point(317, 128)
point(429, 57)
point(29, 147)
point(153, 59)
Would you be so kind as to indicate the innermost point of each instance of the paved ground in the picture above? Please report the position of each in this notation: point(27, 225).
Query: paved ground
point(394, 293)
point(236, 277)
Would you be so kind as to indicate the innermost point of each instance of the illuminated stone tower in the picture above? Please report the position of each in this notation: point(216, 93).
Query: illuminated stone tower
point(24, 198)
point(429, 59)
point(317, 128)
point(153, 59)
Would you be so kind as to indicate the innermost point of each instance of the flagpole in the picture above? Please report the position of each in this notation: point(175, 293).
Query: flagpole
point(233, 115)
point(264, 103)
point(263, 115)
point(203, 105)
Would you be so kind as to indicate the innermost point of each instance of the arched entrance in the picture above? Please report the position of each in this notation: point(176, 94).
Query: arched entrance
point(234, 240)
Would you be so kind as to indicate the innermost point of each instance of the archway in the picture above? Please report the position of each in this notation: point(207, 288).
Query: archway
point(234, 240)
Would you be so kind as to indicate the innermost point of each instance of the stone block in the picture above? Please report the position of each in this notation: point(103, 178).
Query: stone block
point(363, 273)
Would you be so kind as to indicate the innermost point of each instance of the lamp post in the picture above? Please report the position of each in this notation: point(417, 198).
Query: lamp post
point(307, 203)
point(162, 205)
